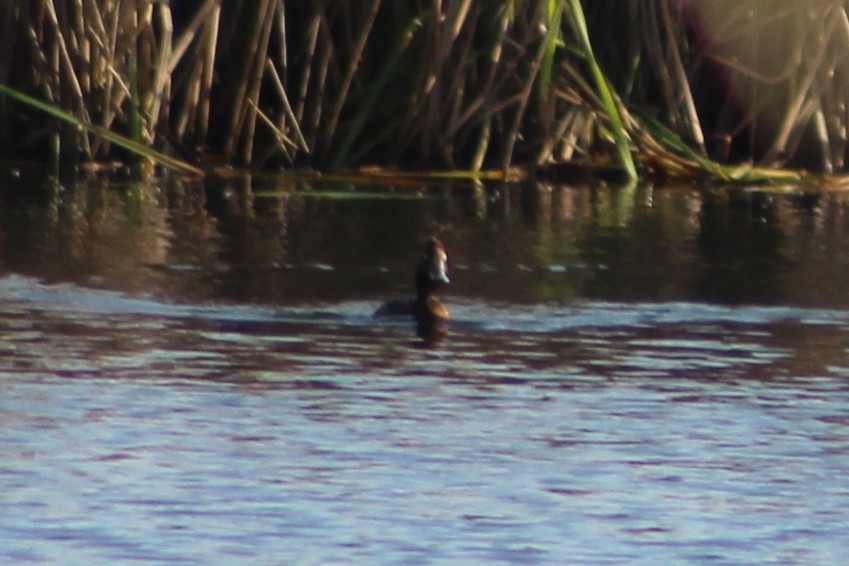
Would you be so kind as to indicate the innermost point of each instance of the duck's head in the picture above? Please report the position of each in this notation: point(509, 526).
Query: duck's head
point(432, 271)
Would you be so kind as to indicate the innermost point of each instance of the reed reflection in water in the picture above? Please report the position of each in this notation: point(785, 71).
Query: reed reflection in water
point(280, 241)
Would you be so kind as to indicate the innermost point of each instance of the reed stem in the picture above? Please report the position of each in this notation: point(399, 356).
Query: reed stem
point(426, 83)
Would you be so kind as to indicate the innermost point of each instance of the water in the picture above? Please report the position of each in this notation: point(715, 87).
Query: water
point(190, 374)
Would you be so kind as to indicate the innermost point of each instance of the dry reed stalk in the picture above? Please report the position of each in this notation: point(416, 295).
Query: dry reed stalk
point(451, 90)
point(283, 38)
point(243, 115)
point(157, 98)
point(458, 85)
point(200, 36)
point(570, 138)
point(288, 114)
point(145, 46)
point(560, 137)
point(210, 41)
point(821, 130)
point(259, 68)
point(284, 143)
point(474, 113)
point(42, 65)
point(681, 83)
point(64, 65)
point(111, 76)
point(323, 63)
point(833, 98)
point(201, 19)
point(309, 58)
point(524, 97)
point(123, 27)
point(191, 82)
point(429, 107)
point(100, 72)
point(438, 88)
point(497, 50)
point(81, 45)
point(350, 73)
point(795, 115)
point(482, 146)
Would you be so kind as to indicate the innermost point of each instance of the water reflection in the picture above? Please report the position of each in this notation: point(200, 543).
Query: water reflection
point(284, 241)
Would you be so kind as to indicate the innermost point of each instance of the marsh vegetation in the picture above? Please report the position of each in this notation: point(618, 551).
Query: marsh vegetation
point(682, 88)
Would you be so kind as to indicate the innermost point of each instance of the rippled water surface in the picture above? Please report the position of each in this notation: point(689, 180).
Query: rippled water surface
point(191, 374)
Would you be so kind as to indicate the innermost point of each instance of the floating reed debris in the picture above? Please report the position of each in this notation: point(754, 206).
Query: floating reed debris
point(455, 84)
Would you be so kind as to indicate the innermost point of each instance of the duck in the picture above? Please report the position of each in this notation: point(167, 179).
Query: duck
point(430, 276)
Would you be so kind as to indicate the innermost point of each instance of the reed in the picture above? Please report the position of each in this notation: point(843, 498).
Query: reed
point(457, 84)
point(133, 146)
point(608, 99)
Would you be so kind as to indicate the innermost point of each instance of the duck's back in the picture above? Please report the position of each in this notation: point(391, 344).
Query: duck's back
point(398, 307)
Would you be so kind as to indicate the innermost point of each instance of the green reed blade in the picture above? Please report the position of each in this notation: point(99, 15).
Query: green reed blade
point(128, 144)
point(554, 15)
point(608, 100)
